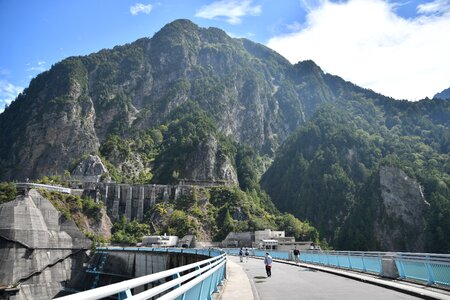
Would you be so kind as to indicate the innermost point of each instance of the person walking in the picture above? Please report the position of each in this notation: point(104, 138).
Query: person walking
point(296, 256)
point(241, 255)
point(247, 253)
point(268, 264)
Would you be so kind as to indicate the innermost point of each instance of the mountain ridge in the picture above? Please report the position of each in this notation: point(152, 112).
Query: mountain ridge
point(192, 103)
point(137, 86)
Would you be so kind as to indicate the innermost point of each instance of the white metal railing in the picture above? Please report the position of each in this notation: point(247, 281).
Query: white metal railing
point(43, 186)
point(200, 282)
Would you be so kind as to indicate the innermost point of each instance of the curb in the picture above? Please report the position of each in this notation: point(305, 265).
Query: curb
point(233, 289)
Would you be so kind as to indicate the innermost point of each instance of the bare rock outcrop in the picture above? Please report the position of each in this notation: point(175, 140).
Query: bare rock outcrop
point(400, 223)
point(90, 169)
point(209, 164)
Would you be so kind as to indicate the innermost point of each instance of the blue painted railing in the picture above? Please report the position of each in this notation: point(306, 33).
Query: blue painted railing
point(260, 253)
point(429, 269)
point(211, 252)
point(194, 281)
point(370, 262)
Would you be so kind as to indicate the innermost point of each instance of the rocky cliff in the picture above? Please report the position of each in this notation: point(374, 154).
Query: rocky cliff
point(90, 169)
point(39, 249)
point(363, 175)
point(400, 222)
point(252, 94)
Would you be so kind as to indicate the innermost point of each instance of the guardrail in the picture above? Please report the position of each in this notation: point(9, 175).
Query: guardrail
point(27, 185)
point(370, 262)
point(194, 281)
point(285, 255)
point(211, 252)
point(429, 268)
point(423, 268)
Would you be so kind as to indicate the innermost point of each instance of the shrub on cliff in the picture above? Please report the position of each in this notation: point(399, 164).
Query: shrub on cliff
point(7, 192)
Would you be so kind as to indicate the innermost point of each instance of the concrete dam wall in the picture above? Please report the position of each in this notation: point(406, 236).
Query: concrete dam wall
point(133, 200)
point(42, 253)
point(40, 250)
point(109, 267)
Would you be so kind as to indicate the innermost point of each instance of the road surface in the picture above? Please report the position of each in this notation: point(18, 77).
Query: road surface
point(295, 282)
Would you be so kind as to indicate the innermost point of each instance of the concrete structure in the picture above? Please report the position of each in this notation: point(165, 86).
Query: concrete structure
point(268, 234)
point(268, 244)
point(107, 267)
point(263, 239)
point(239, 239)
point(188, 241)
point(39, 249)
point(158, 241)
point(132, 200)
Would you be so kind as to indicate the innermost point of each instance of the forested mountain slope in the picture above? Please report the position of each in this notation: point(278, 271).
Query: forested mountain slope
point(251, 94)
point(370, 175)
point(194, 104)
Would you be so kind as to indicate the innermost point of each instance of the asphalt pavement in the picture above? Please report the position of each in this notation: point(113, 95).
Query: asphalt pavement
point(296, 282)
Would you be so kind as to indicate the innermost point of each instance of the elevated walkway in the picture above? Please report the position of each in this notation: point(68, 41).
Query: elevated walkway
point(250, 282)
point(29, 185)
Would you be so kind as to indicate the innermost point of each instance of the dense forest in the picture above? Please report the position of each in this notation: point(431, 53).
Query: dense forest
point(328, 172)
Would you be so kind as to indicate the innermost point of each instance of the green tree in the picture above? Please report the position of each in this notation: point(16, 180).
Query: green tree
point(8, 192)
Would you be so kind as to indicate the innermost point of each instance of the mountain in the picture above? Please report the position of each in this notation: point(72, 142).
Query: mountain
point(193, 104)
point(250, 93)
point(370, 175)
point(188, 105)
point(445, 94)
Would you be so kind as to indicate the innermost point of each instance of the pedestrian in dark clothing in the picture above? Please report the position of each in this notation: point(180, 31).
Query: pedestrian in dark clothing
point(296, 256)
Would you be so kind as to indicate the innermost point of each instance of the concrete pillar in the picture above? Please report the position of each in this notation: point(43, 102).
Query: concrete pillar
point(140, 270)
point(129, 203)
point(177, 192)
point(153, 195)
point(116, 201)
point(166, 193)
point(388, 266)
point(140, 208)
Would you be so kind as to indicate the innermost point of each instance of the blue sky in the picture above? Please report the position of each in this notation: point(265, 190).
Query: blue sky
point(400, 49)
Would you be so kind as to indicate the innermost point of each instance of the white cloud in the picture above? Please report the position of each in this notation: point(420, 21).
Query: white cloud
point(231, 11)
point(8, 92)
point(140, 8)
point(366, 42)
point(39, 67)
point(296, 26)
point(435, 7)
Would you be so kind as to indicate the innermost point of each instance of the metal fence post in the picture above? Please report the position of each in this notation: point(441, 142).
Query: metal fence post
point(124, 295)
point(363, 263)
point(380, 264)
point(429, 270)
